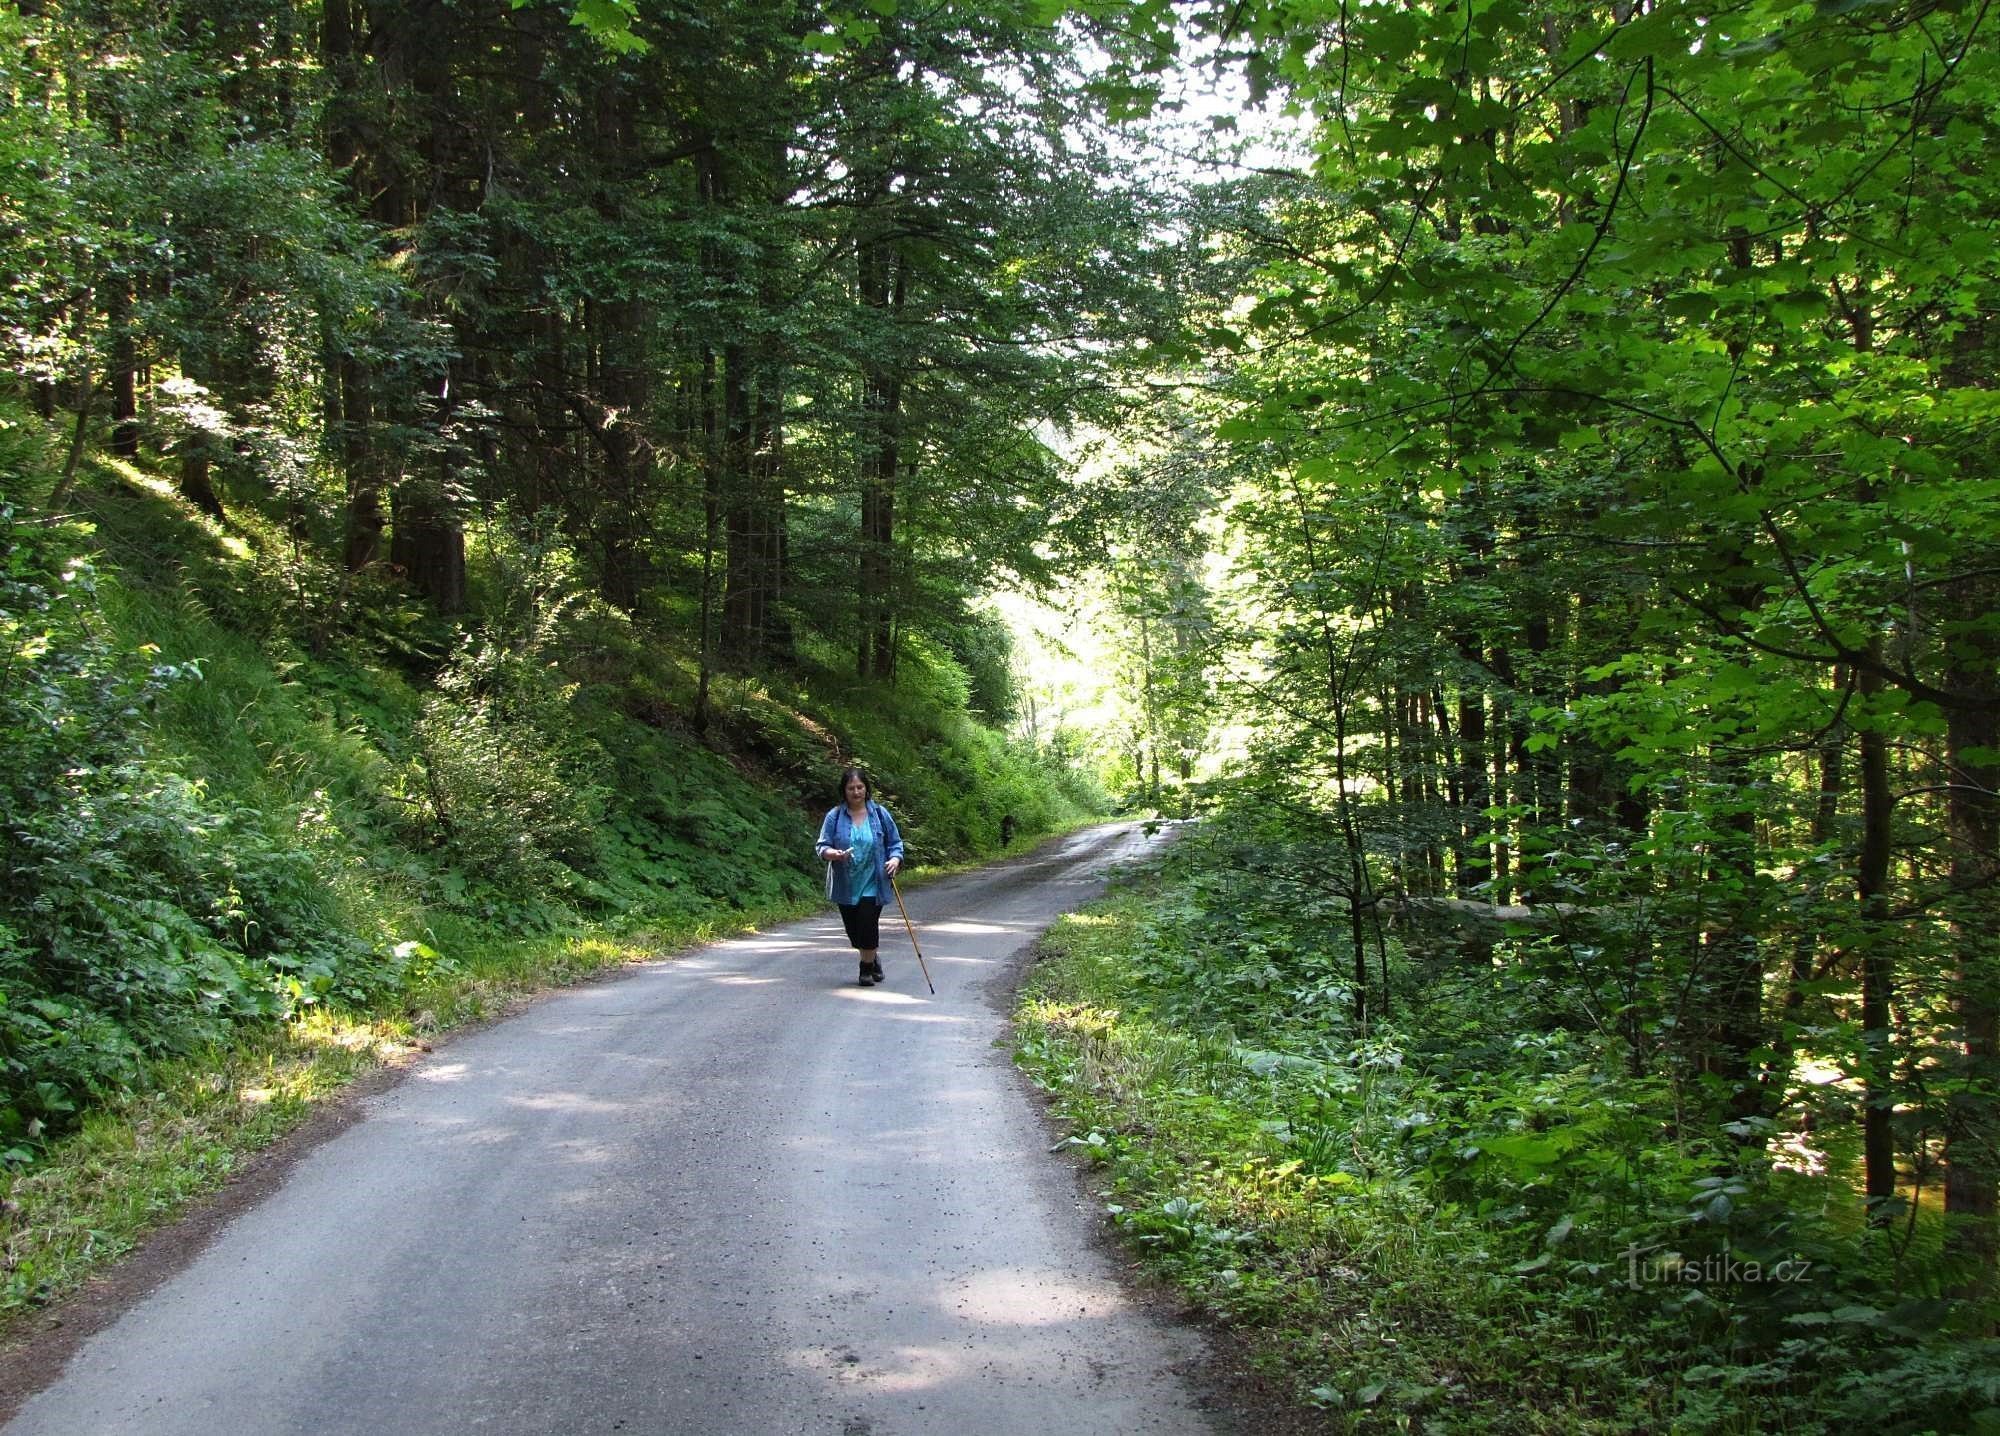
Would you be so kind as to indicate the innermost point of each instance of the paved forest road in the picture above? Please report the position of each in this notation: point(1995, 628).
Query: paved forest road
point(731, 1193)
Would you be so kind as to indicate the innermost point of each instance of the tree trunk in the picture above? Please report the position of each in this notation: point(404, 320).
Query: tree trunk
point(883, 289)
point(350, 398)
point(124, 372)
point(1475, 868)
point(428, 544)
point(1972, 1104)
point(1805, 946)
point(1878, 1144)
point(743, 593)
point(711, 528)
point(364, 521)
point(1731, 954)
point(195, 486)
point(743, 441)
point(625, 383)
point(1503, 866)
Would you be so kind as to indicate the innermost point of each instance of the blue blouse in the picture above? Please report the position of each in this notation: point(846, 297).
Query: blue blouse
point(865, 874)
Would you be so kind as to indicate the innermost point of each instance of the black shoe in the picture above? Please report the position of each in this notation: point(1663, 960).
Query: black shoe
point(875, 971)
point(867, 978)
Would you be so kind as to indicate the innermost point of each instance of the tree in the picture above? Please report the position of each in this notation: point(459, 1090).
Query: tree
point(1683, 312)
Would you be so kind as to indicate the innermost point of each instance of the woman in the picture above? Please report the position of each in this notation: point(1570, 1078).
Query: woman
point(862, 850)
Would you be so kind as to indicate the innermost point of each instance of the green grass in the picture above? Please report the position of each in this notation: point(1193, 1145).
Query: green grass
point(1435, 1226)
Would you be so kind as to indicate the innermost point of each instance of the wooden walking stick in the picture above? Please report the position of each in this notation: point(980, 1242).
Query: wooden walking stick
point(913, 934)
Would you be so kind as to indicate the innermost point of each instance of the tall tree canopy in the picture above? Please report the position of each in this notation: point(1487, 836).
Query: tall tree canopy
point(767, 306)
point(1614, 415)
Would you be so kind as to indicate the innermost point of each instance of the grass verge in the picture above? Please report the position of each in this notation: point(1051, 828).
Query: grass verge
point(1234, 1183)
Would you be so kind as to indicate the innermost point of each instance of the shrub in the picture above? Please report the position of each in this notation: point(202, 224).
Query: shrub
point(501, 779)
point(139, 919)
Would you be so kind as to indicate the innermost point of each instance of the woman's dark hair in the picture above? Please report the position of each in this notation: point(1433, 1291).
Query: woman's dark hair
point(848, 775)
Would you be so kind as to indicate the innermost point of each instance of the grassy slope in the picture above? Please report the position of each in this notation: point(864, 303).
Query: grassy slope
point(311, 745)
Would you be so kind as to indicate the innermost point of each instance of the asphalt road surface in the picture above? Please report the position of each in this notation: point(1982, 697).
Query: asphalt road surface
point(731, 1192)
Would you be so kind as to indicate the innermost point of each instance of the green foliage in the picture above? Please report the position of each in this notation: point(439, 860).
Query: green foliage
point(688, 833)
point(143, 916)
point(954, 783)
point(1478, 1213)
point(498, 778)
point(983, 647)
point(229, 806)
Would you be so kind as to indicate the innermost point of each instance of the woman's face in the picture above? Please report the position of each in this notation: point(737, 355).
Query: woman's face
point(857, 791)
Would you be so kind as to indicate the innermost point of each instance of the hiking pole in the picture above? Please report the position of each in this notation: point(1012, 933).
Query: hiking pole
point(913, 934)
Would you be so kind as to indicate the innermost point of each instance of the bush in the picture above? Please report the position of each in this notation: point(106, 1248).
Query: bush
point(139, 919)
point(501, 780)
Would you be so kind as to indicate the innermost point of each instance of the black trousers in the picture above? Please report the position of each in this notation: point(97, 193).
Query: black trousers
point(863, 921)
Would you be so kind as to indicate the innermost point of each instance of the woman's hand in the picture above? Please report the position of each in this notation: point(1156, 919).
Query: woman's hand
point(838, 855)
point(892, 865)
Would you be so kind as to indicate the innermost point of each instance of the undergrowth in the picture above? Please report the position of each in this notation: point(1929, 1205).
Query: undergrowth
point(1470, 1218)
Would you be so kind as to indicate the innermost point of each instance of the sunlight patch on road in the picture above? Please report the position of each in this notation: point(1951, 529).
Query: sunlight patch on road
point(737, 979)
point(566, 1102)
point(443, 1072)
point(760, 945)
point(972, 929)
point(587, 1153)
point(903, 1368)
point(1027, 1297)
point(484, 1137)
point(882, 997)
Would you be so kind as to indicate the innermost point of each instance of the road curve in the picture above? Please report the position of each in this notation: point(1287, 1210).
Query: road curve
point(728, 1193)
